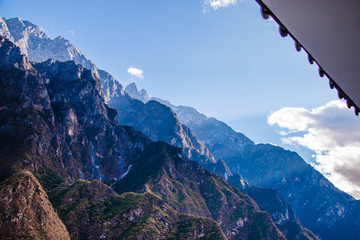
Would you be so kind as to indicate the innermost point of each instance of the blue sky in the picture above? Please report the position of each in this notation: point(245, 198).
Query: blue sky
point(228, 63)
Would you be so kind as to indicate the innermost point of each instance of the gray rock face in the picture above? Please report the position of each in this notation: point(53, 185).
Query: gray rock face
point(281, 212)
point(219, 168)
point(53, 116)
point(160, 123)
point(133, 91)
point(237, 181)
point(38, 46)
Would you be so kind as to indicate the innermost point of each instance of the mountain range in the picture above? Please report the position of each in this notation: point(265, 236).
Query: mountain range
point(68, 122)
point(318, 204)
point(62, 131)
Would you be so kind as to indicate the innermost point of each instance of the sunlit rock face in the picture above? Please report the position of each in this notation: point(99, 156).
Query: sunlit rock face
point(133, 91)
point(37, 45)
point(222, 141)
point(53, 116)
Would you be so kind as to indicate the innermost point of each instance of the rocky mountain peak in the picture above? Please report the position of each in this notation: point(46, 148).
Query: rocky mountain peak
point(133, 91)
point(38, 46)
point(131, 111)
point(22, 33)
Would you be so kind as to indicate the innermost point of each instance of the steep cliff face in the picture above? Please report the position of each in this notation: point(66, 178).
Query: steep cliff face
point(158, 122)
point(281, 212)
point(133, 91)
point(222, 141)
point(53, 116)
point(188, 188)
point(55, 123)
point(25, 210)
point(318, 204)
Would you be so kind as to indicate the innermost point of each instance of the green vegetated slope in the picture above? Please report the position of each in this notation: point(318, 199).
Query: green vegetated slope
point(188, 188)
point(91, 210)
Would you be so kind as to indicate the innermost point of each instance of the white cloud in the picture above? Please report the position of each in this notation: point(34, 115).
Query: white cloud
point(72, 32)
point(216, 4)
point(333, 133)
point(136, 72)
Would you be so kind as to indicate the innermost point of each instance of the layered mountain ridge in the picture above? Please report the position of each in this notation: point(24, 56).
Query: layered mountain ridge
point(133, 91)
point(319, 205)
point(38, 46)
point(54, 122)
point(222, 141)
point(273, 167)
